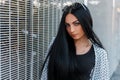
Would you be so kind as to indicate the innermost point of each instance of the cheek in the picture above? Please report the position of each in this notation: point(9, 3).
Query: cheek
point(67, 29)
point(80, 30)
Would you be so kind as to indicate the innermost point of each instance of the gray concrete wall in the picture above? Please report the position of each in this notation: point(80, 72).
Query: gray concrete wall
point(106, 19)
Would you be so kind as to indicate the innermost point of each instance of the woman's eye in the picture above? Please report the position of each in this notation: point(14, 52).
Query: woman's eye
point(76, 23)
point(67, 25)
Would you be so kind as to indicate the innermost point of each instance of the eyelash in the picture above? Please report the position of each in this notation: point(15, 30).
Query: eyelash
point(75, 24)
point(67, 25)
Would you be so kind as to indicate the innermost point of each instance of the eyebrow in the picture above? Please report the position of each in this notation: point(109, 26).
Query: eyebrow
point(72, 22)
point(75, 21)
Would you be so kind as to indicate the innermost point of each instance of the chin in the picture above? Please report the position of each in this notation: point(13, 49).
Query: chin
point(76, 38)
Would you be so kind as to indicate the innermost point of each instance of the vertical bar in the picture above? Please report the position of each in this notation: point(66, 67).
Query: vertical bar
point(10, 39)
point(38, 43)
point(56, 16)
point(48, 21)
point(119, 33)
point(52, 19)
point(113, 16)
point(60, 10)
point(32, 54)
point(18, 36)
point(0, 44)
point(26, 40)
point(29, 11)
point(86, 2)
point(43, 28)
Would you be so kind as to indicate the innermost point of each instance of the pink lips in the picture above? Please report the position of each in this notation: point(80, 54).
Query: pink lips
point(74, 35)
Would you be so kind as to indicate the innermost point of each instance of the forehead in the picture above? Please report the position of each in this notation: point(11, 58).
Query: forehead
point(70, 18)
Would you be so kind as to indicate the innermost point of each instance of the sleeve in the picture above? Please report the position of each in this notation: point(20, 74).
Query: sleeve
point(104, 69)
point(101, 69)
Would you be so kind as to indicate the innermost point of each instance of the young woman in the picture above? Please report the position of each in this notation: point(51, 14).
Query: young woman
point(76, 52)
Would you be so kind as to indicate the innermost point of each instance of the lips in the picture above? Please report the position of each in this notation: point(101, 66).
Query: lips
point(74, 35)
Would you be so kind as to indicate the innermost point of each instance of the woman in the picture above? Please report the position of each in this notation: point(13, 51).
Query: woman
point(76, 53)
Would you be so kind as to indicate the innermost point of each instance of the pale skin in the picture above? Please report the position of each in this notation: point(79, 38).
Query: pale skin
point(74, 29)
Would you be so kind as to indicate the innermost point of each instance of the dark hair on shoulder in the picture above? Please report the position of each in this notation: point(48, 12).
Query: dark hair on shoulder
point(62, 55)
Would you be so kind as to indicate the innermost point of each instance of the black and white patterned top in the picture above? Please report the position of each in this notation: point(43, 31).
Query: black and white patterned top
point(100, 70)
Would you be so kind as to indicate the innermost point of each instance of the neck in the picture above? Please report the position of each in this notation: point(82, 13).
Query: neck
point(82, 45)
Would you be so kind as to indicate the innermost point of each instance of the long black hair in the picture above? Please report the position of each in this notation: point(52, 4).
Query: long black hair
point(62, 54)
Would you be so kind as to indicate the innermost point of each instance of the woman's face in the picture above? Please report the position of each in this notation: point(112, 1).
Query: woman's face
point(74, 27)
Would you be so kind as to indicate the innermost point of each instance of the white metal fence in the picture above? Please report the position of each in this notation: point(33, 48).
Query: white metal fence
point(26, 28)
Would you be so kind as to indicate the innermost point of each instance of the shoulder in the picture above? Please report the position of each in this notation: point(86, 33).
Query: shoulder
point(101, 70)
point(99, 51)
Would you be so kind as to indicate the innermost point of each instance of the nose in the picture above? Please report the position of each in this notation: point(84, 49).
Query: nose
point(72, 28)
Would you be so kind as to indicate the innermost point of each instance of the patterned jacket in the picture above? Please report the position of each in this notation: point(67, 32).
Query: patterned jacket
point(100, 70)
